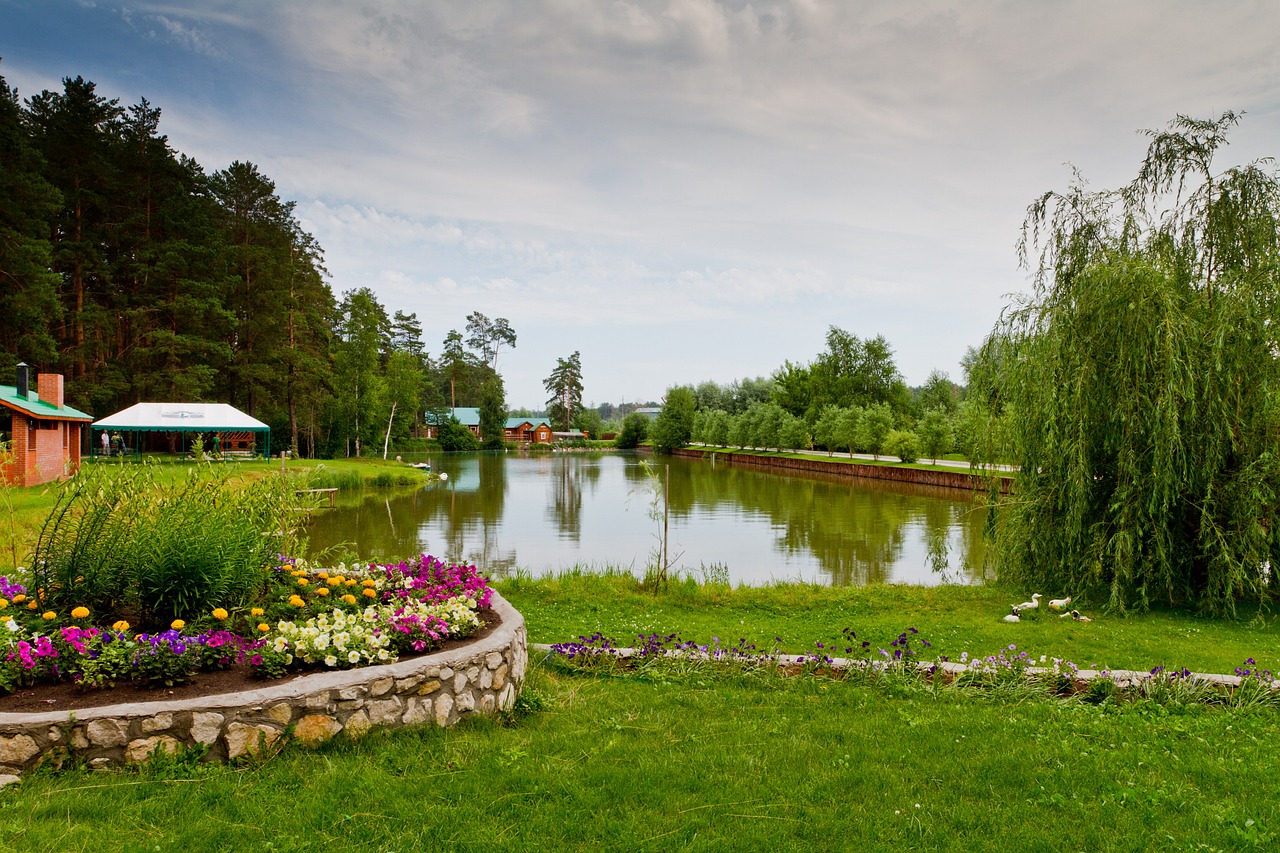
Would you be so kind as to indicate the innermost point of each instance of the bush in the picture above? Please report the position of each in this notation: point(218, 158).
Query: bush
point(902, 444)
point(635, 428)
point(455, 437)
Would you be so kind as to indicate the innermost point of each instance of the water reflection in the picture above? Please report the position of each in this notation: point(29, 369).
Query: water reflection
point(543, 513)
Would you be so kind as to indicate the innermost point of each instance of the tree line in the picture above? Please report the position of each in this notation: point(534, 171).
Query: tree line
point(140, 275)
point(850, 398)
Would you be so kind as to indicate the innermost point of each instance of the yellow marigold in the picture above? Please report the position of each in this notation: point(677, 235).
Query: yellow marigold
point(349, 598)
point(256, 611)
point(296, 601)
point(367, 582)
point(264, 627)
point(322, 575)
point(120, 626)
point(219, 613)
point(48, 614)
point(4, 602)
point(31, 605)
point(19, 598)
point(351, 583)
point(337, 579)
point(303, 581)
point(177, 624)
point(371, 593)
point(80, 613)
point(324, 590)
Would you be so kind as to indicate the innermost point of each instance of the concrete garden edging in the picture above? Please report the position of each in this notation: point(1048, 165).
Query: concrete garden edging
point(483, 677)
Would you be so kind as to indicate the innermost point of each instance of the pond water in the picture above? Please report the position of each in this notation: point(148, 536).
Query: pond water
point(544, 513)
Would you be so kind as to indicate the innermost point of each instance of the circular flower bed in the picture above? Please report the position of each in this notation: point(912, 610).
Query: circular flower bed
point(303, 618)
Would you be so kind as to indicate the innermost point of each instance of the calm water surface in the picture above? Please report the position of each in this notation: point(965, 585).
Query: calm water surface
point(552, 512)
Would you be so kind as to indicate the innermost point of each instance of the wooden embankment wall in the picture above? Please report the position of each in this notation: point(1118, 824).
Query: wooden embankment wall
point(943, 479)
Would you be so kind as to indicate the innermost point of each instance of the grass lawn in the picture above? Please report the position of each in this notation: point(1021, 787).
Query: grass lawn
point(729, 763)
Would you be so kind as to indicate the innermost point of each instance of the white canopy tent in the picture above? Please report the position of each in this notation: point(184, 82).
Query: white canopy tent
point(211, 418)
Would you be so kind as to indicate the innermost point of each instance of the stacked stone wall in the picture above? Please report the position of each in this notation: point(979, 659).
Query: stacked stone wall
point(484, 677)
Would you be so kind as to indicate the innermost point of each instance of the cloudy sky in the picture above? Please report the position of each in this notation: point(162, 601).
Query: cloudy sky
point(679, 189)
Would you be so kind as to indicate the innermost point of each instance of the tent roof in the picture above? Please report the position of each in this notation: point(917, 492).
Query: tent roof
point(181, 417)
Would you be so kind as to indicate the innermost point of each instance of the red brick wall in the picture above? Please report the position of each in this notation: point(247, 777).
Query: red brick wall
point(54, 453)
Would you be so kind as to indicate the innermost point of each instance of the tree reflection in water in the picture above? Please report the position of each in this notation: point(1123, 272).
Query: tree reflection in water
point(557, 511)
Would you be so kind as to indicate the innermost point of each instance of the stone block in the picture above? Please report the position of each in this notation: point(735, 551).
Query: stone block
point(385, 712)
point(358, 724)
point(493, 660)
point(159, 723)
point(486, 679)
point(381, 687)
point(205, 727)
point(444, 707)
point(460, 682)
point(315, 729)
point(404, 685)
point(8, 779)
point(18, 750)
point(507, 698)
point(465, 701)
point(445, 673)
point(54, 734)
point(349, 705)
point(428, 687)
point(318, 700)
point(243, 739)
point(79, 740)
point(100, 763)
point(105, 733)
point(282, 713)
point(348, 694)
point(488, 703)
point(473, 672)
point(500, 677)
point(417, 712)
point(140, 750)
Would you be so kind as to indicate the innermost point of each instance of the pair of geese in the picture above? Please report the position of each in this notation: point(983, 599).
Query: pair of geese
point(1057, 605)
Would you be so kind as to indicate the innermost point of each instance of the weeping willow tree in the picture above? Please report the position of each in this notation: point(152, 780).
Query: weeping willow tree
point(1141, 377)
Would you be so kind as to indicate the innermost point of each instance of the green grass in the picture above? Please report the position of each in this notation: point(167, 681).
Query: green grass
point(22, 510)
point(955, 619)
point(725, 764)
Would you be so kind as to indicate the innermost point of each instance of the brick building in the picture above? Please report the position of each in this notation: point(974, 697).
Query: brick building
point(44, 431)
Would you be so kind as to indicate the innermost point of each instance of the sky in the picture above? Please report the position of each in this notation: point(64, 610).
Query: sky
point(680, 190)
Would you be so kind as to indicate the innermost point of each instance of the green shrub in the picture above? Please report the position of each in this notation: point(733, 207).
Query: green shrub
point(903, 444)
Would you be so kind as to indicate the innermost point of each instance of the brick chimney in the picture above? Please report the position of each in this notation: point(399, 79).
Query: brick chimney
point(49, 386)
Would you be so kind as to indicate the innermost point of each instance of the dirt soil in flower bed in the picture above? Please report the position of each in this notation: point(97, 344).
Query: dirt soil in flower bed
point(69, 697)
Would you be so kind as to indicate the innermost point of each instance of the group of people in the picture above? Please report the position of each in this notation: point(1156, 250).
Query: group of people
point(112, 445)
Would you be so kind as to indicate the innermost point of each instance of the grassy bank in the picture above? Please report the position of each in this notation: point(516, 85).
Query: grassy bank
point(23, 510)
point(955, 619)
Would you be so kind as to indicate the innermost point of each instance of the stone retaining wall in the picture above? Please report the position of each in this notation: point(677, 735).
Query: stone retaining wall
point(944, 479)
point(481, 678)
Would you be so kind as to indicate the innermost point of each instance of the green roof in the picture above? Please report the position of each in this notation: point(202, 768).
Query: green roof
point(34, 406)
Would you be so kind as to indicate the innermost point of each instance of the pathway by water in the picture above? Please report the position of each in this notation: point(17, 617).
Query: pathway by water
point(553, 512)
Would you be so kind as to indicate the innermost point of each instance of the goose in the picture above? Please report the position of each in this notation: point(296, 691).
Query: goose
point(1013, 617)
point(1076, 615)
point(1057, 605)
point(1030, 605)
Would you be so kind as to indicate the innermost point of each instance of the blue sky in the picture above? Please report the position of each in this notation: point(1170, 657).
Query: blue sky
point(679, 190)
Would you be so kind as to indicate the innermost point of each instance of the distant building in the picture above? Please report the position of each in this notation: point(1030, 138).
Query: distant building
point(525, 430)
point(650, 412)
point(45, 432)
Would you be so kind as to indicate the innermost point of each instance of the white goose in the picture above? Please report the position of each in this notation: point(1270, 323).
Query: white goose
point(1033, 604)
point(1057, 605)
point(1013, 617)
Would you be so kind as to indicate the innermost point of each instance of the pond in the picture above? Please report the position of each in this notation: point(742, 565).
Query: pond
point(544, 513)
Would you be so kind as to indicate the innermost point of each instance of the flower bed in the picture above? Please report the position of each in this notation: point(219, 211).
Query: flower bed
point(302, 620)
point(482, 677)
